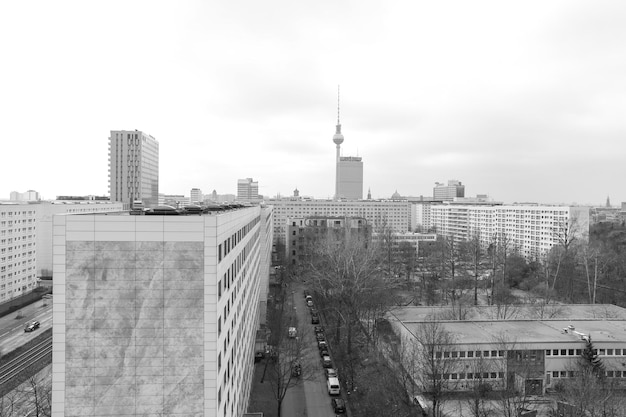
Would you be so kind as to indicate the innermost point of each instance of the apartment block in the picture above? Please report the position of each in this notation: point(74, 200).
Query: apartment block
point(157, 314)
point(133, 167)
point(532, 230)
point(392, 214)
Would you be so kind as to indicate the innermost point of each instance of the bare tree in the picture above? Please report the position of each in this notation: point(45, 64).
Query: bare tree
point(9, 404)
point(432, 354)
point(473, 254)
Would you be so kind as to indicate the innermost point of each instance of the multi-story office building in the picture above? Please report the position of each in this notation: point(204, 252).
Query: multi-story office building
point(157, 315)
point(195, 196)
point(26, 240)
point(531, 230)
point(247, 190)
point(17, 249)
point(448, 192)
point(133, 167)
point(531, 354)
point(392, 214)
point(350, 171)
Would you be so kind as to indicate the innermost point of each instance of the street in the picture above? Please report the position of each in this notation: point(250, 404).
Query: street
point(12, 333)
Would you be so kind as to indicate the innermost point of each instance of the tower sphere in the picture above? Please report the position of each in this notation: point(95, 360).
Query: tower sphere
point(338, 138)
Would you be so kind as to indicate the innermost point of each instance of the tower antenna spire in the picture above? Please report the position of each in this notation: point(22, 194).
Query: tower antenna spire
point(338, 101)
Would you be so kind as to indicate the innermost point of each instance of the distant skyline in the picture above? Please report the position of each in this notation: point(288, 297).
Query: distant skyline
point(523, 101)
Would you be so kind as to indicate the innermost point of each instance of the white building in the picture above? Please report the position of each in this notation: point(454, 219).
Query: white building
point(195, 196)
point(531, 354)
point(18, 274)
point(247, 190)
point(157, 315)
point(393, 214)
point(532, 230)
point(26, 240)
point(133, 167)
point(350, 172)
point(46, 211)
point(29, 195)
point(448, 192)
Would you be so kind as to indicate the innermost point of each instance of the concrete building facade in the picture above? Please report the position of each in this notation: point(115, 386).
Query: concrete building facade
point(448, 192)
point(26, 240)
point(532, 230)
point(529, 354)
point(133, 167)
point(157, 315)
point(350, 178)
point(247, 190)
point(393, 214)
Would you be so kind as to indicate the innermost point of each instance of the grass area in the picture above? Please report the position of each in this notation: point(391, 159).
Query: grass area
point(262, 397)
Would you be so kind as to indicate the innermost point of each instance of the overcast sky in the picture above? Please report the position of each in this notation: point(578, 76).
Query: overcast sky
point(523, 101)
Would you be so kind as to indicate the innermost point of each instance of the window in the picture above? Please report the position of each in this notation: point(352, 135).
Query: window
point(555, 374)
point(548, 352)
point(563, 374)
point(609, 351)
point(563, 352)
point(470, 354)
point(579, 352)
point(570, 352)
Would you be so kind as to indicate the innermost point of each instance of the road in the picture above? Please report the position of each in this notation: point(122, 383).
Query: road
point(12, 333)
point(315, 390)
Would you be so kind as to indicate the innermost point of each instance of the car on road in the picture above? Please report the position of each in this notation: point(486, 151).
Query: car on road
point(330, 373)
point(339, 405)
point(32, 326)
point(327, 362)
point(324, 351)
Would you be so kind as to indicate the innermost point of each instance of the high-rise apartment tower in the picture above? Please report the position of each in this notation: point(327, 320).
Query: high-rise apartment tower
point(133, 167)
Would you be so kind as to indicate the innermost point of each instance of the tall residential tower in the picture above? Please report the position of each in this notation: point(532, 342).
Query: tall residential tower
point(133, 167)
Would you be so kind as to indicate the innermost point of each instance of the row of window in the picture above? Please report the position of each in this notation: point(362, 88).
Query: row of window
point(473, 375)
point(230, 243)
point(471, 354)
point(572, 374)
point(578, 352)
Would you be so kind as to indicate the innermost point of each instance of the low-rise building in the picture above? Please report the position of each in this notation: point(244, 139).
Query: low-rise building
point(529, 354)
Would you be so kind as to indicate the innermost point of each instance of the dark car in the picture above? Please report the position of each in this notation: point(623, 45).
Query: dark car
point(319, 329)
point(33, 325)
point(321, 344)
point(320, 336)
point(339, 405)
point(327, 362)
point(324, 351)
point(315, 320)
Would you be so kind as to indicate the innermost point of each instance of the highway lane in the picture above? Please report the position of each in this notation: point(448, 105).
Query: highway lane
point(12, 334)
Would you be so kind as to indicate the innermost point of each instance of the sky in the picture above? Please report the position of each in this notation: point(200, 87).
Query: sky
point(522, 100)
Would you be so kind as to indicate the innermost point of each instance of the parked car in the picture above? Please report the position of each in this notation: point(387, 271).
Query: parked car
point(327, 362)
point(314, 311)
point(321, 344)
point(330, 373)
point(333, 386)
point(31, 326)
point(324, 351)
point(339, 405)
point(320, 336)
point(309, 303)
point(293, 332)
point(315, 320)
point(319, 329)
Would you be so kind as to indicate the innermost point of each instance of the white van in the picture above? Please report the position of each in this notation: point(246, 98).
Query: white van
point(293, 332)
point(333, 386)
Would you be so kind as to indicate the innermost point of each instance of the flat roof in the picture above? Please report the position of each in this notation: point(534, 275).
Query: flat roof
point(514, 312)
point(604, 323)
point(531, 331)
